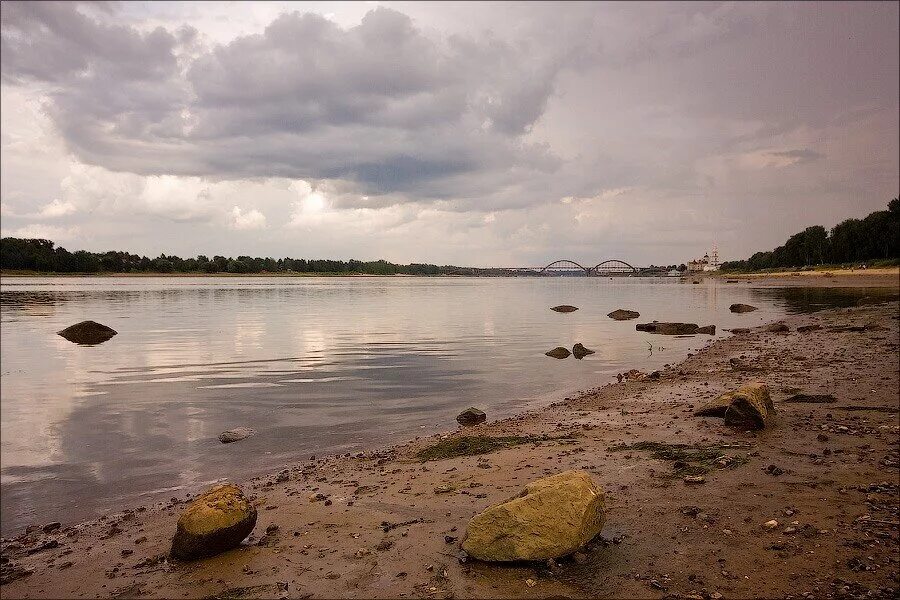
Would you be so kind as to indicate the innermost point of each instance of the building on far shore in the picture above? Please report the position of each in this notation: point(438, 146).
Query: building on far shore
point(707, 263)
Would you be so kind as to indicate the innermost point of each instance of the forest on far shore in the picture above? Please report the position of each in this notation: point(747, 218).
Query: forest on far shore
point(44, 256)
point(876, 237)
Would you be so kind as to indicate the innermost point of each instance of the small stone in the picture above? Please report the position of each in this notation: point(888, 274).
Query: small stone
point(770, 524)
point(558, 352)
point(741, 308)
point(564, 308)
point(694, 479)
point(579, 351)
point(87, 333)
point(235, 435)
point(471, 416)
point(623, 314)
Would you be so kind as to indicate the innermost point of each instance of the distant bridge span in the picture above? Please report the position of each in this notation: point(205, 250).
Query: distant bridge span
point(564, 264)
point(612, 266)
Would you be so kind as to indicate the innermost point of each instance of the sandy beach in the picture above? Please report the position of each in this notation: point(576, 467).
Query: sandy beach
point(388, 524)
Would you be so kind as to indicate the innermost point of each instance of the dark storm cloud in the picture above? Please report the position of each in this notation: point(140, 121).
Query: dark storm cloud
point(54, 42)
point(379, 104)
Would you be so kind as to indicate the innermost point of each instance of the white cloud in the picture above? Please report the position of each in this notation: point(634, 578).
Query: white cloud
point(47, 232)
point(57, 208)
point(252, 219)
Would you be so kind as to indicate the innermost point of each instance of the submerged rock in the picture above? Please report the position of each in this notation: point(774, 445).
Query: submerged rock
point(87, 333)
point(675, 328)
point(558, 352)
point(741, 308)
point(564, 308)
point(235, 435)
point(748, 406)
point(579, 351)
point(471, 416)
point(552, 517)
point(216, 521)
point(623, 314)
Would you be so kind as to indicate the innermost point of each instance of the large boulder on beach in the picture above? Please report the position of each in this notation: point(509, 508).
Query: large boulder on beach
point(87, 333)
point(579, 351)
point(623, 314)
point(471, 416)
point(550, 518)
point(564, 308)
point(216, 521)
point(741, 308)
point(235, 435)
point(749, 406)
point(558, 352)
point(675, 328)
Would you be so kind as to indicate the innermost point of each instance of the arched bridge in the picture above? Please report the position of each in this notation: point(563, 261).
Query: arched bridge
point(569, 267)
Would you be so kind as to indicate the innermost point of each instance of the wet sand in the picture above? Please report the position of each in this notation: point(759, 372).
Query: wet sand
point(878, 277)
point(372, 525)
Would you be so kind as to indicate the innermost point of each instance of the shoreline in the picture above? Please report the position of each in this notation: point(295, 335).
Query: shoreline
point(341, 548)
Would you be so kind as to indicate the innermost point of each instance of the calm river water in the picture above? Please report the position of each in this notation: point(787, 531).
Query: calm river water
point(315, 365)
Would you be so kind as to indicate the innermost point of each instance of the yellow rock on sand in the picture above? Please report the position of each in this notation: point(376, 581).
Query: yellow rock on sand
point(748, 406)
point(216, 521)
point(551, 517)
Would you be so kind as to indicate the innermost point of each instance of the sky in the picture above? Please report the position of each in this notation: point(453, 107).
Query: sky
point(490, 134)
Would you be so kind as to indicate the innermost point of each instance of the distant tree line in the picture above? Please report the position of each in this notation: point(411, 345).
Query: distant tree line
point(876, 237)
point(45, 256)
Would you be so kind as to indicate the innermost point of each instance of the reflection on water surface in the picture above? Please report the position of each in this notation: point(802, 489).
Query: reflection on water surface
point(313, 365)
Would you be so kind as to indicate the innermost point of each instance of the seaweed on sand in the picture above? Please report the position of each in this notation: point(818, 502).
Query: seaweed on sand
point(689, 459)
point(471, 445)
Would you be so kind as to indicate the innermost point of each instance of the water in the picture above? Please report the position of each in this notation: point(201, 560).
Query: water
point(315, 365)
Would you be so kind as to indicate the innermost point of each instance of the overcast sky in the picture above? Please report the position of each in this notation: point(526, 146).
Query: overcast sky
point(475, 134)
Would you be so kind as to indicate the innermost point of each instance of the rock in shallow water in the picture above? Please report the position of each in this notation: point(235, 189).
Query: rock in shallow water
point(471, 416)
point(564, 308)
point(235, 435)
point(551, 517)
point(216, 521)
point(741, 308)
point(579, 351)
point(558, 352)
point(623, 314)
point(87, 333)
point(675, 328)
